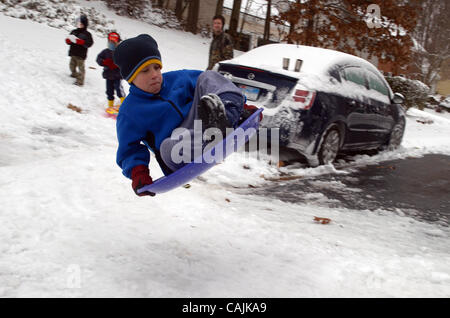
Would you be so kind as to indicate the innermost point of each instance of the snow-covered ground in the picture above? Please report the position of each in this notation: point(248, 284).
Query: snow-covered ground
point(71, 225)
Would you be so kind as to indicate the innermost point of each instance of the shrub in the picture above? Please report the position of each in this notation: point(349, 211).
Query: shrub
point(415, 92)
point(145, 12)
point(60, 14)
point(130, 8)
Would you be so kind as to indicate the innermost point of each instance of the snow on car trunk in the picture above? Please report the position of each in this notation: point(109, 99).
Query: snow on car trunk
point(269, 82)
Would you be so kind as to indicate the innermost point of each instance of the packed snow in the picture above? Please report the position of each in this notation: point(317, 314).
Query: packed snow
point(71, 226)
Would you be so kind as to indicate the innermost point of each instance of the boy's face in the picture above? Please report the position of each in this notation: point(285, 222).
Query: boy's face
point(149, 79)
point(217, 26)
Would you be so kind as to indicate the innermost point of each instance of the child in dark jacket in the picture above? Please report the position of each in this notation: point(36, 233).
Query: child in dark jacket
point(158, 103)
point(79, 40)
point(111, 72)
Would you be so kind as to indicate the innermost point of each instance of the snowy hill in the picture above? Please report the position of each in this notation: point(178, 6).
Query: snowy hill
point(71, 225)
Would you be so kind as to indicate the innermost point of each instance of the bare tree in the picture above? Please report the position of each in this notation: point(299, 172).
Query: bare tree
point(179, 9)
point(192, 19)
point(234, 20)
point(219, 7)
point(246, 11)
point(432, 38)
point(266, 36)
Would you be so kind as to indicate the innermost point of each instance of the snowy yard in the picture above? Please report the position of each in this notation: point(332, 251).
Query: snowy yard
point(71, 225)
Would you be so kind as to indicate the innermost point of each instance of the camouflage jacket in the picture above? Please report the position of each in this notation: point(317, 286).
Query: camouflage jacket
point(221, 49)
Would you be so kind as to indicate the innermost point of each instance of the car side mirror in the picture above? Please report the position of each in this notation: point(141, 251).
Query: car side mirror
point(398, 98)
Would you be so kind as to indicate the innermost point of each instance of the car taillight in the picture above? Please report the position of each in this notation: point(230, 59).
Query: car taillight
point(304, 99)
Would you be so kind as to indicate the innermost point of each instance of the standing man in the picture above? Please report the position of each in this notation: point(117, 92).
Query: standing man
point(79, 40)
point(222, 45)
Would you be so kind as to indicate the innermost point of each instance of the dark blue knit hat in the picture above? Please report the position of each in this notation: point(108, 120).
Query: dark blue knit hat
point(132, 55)
point(83, 19)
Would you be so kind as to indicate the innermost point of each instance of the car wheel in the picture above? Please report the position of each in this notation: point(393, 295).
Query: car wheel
point(396, 137)
point(330, 146)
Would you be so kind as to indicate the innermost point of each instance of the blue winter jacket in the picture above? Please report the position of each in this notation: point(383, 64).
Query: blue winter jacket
point(151, 118)
point(107, 72)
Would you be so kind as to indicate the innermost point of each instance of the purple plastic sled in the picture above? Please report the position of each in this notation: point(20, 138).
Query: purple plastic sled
point(232, 142)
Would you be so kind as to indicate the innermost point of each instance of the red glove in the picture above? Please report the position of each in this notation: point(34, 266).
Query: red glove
point(80, 41)
point(252, 109)
point(68, 41)
point(109, 63)
point(141, 177)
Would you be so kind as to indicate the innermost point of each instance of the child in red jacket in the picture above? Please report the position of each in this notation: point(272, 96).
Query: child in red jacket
point(111, 72)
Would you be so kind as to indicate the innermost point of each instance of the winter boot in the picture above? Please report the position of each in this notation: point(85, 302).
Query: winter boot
point(212, 113)
point(110, 103)
point(121, 100)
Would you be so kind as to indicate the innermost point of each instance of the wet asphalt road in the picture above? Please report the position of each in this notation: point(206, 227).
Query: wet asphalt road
point(419, 187)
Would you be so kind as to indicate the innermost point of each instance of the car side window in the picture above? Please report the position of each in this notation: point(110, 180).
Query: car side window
point(355, 75)
point(376, 84)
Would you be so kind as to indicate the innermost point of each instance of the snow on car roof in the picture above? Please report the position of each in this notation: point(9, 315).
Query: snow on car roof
point(315, 60)
point(314, 73)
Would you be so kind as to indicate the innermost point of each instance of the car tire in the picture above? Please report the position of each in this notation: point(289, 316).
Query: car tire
point(329, 148)
point(396, 137)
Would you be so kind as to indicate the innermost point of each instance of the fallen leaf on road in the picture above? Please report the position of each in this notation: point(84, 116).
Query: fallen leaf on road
point(74, 108)
point(322, 220)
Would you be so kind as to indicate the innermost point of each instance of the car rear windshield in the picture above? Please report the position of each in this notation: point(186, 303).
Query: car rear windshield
point(259, 85)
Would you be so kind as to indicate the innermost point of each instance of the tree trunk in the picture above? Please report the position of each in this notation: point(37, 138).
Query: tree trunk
point(179, 9)
point(192, 19)
point(267, 24)
point(246, 11)
point(291, 32)
point(234, 21)
point(219, 7)
point(431, 33)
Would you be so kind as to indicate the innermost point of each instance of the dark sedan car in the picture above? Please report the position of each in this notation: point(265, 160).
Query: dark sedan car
point(323, 101)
